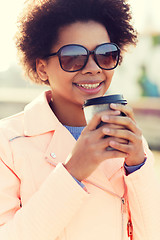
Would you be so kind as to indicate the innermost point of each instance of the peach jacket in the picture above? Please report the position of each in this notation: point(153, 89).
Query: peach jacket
point(40, 200)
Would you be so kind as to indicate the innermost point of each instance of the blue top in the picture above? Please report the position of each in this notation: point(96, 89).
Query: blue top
point(75, 131)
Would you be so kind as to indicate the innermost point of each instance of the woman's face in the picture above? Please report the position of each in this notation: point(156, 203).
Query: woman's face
point(73, 88)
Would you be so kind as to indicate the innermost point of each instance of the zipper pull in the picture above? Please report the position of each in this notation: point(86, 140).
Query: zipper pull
point(123, 205)
point(130, 229)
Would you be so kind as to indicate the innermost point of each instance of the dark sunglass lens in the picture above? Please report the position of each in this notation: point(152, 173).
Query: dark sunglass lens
point(73, 58)
point(107, 56)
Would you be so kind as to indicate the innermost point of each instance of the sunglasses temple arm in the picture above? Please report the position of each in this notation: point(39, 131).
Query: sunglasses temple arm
point(50, 55)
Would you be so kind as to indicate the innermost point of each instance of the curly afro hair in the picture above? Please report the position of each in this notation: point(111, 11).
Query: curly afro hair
point(40, 21)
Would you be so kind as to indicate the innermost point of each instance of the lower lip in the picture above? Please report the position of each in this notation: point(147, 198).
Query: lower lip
point(91, 90)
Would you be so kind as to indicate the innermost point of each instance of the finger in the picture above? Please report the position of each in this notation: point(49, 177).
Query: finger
point(126, 109)
point(100, 132)
point(125, 148)
point(114, 126)
point(126, 122)
point(121, 140)
point(95, 121)
point(105, 142)
point(114, 154)
point(124, 134)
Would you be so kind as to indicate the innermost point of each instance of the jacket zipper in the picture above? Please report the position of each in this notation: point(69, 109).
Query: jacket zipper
point(123, 211)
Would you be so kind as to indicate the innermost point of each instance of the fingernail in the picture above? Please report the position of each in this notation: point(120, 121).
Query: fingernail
point(106, 130)
point(105, 118)
point(117, 112)
point(113, 105)
point(112, 143)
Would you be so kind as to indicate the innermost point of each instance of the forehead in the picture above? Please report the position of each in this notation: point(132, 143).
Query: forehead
point(89, 34)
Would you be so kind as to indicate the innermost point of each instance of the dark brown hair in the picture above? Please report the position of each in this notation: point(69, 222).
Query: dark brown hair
point(40, 21)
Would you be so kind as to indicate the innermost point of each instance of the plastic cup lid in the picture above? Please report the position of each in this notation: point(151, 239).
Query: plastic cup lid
point(117, 98)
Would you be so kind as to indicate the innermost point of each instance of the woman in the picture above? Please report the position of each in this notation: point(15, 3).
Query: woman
point(52, 187)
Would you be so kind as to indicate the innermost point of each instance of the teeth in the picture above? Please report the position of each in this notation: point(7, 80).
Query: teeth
point(89, 86)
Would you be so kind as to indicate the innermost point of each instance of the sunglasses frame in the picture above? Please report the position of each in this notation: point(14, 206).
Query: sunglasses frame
point(93, 52)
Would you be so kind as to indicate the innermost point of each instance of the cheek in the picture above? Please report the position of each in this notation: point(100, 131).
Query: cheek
point(109, 75)
point(61, 79)
point(67, 78)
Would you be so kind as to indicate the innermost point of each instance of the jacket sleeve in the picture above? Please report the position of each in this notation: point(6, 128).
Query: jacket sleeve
point(144, 200)
point(48, 211)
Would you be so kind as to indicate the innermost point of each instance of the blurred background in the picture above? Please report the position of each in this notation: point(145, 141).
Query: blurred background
point(138, 77)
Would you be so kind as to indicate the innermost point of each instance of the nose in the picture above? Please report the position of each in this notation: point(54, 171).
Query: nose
point(91, 66)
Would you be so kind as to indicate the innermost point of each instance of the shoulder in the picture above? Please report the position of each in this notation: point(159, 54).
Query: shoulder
point(9, 128)
point(12, 126)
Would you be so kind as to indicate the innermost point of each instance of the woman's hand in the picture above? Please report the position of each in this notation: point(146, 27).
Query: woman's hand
point(90, 149)
point(130, 132)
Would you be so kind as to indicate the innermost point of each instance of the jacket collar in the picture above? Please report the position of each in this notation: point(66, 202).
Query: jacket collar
point(38, 116)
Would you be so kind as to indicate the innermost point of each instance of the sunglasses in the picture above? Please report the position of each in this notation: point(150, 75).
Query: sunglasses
point(74, 57)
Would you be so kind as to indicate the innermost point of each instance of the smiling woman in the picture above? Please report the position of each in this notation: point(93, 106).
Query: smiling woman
point(58, 180)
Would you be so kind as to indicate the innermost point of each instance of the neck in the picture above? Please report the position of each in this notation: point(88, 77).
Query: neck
point(68, 114)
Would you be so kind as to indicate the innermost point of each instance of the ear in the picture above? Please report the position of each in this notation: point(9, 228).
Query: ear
point(41, 69)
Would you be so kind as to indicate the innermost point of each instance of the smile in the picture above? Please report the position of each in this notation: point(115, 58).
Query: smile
point(89, 86)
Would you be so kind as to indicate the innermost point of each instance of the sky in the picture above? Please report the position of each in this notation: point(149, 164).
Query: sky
point(9, 10)
point(145, 13)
